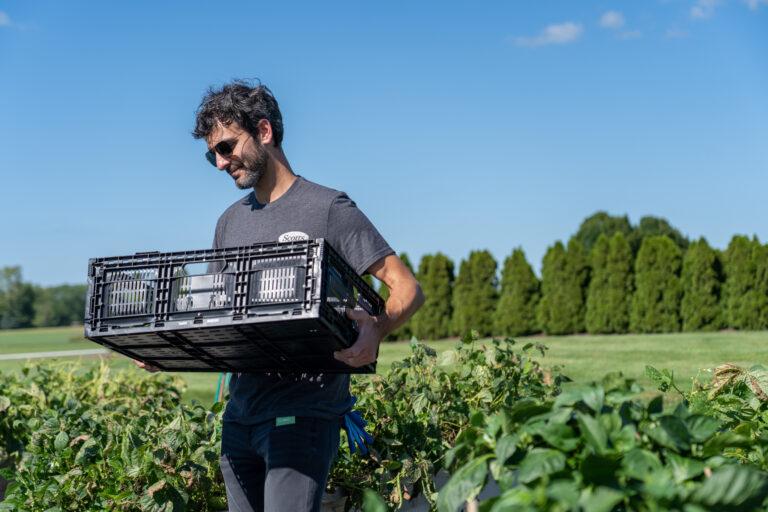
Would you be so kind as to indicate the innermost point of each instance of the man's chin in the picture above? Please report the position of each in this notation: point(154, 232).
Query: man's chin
point(247, 181)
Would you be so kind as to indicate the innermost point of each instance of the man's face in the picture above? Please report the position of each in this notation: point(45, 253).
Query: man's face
point(248, 161)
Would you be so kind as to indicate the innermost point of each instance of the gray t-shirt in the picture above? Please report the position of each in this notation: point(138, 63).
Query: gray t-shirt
point(305, 210)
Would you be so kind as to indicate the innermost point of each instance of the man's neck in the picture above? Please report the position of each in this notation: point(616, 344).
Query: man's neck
point(276, 180)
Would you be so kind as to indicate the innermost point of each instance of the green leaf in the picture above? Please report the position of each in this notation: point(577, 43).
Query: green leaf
point(539, 462)
point(5, 403)
point(601, 499)
point(464, 484)
point(656, 405)
point(661, 485)
point(525, 409)
point(684, 468)
point(372, 502)
point(625, 439)
point(560, 435)
point(663, 379)
point(506, 447)
point(715, 445)
point(61, 441)
point(702, 427)
point(593, 432)
point(564, 491)
point(87, 453)
point(671, 433)
point(734, 486)
point(640, 464)
point(592, 396)
point(517, 499)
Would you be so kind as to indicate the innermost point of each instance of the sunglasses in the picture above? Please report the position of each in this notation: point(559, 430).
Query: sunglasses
point(223, 148)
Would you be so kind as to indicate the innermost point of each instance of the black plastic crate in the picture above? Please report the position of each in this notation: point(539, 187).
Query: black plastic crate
point(260, 308)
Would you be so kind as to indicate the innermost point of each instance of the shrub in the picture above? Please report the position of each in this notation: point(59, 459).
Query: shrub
point(515, 313)
point(702, 281)
point(565, 276)
point(475, 294)
point(656, 302)
point(433, 320)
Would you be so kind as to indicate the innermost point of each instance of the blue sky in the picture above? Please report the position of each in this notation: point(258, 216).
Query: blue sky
point(454, 125)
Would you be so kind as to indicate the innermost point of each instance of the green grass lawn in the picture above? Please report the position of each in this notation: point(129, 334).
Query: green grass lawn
point(582, 357)
point(13, 341)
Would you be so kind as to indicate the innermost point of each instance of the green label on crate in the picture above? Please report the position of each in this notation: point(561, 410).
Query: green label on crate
point(285, 420)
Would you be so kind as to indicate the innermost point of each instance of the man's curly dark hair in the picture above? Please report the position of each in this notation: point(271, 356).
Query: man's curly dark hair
point(242, 103)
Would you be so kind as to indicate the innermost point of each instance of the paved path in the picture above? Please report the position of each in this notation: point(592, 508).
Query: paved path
point(59, 353)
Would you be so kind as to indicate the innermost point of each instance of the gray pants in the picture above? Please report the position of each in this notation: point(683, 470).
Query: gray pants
point(274, 468)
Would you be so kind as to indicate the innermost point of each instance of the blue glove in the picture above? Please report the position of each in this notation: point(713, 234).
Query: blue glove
point(354, 425)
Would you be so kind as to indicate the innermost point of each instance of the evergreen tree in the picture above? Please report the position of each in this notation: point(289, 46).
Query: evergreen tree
point(601, 223)
point(760, 257)
point(610, 285)
point(655, 226)
point(475, 294)
point(598, 316)
point(565, 275)
point(746, 284)
point(740, 278)
point(656, 302)
point(515, 313)
point(436, 276)
point(701, 280)
point(404, 332)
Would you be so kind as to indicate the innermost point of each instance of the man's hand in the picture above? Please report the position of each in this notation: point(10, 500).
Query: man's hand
point(145, 366)
point(366, 348)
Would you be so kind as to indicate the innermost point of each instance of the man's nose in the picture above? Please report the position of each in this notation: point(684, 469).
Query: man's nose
point(222, 162)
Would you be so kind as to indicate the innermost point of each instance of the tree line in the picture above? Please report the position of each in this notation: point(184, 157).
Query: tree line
point(611, 277)
point(23, 304)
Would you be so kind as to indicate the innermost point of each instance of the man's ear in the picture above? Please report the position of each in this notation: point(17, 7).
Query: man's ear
point(266, 136)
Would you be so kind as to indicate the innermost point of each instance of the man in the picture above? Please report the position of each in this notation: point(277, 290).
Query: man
point(281, 432)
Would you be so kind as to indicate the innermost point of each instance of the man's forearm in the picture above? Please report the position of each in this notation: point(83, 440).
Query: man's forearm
point(404, 300)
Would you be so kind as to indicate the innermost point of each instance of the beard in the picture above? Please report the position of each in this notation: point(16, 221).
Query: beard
point(253, 167)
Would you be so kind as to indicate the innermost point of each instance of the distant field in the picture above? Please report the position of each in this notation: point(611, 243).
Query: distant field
point(42, 340)
point(582, 357)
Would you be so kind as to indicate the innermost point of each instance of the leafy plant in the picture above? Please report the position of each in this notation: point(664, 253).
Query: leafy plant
point(599, 448)
point(99, 440)
point(418, 408)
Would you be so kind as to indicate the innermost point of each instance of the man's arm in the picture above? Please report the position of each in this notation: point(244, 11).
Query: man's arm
point(405, 297)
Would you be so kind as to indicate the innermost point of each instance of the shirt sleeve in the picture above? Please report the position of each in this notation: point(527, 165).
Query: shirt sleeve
point(354, 236)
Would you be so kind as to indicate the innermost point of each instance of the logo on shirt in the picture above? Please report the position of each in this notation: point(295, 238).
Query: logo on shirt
point(293, 236)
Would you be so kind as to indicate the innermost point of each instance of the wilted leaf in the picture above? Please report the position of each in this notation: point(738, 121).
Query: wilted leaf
point(723, 376)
